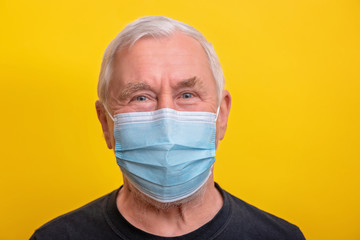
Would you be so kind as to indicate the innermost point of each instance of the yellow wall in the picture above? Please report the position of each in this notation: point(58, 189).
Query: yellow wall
point(292, 67)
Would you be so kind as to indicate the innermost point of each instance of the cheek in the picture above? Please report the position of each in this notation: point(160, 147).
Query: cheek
point(111, 134)
point(144, 106)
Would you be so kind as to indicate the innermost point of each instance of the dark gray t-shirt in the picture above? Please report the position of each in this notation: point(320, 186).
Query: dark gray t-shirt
point(101, 219)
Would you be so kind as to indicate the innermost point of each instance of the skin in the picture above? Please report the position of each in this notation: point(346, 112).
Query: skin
point(171, 72)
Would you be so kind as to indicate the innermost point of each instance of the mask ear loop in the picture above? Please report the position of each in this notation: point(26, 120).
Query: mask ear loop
point(107, 111)
point(217, 113)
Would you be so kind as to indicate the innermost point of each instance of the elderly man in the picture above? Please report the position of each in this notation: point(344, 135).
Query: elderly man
point(163, 109)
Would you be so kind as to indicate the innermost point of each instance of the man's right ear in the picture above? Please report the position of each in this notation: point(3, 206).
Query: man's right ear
point(106, 124)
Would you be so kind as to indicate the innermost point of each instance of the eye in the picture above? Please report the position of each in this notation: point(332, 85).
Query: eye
point(141, 98)
point(186, 95)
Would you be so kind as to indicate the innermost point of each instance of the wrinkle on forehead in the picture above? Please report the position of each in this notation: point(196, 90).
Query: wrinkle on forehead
point(178, 61)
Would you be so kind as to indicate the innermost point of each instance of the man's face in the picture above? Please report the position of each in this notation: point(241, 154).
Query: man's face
point(162, 73)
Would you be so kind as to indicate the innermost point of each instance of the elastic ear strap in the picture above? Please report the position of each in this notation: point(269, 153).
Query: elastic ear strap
point(108, 112)
point(217, 113)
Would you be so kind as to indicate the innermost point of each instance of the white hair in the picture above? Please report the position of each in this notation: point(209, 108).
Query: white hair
point(156, 27)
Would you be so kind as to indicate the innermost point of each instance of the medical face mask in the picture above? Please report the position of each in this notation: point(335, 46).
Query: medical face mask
point(166, 154)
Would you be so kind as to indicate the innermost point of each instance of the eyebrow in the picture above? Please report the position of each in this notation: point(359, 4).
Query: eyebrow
point(188, 83)
point(131, 87)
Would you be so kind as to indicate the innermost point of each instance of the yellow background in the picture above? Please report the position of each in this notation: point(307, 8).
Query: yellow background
point(292, 67)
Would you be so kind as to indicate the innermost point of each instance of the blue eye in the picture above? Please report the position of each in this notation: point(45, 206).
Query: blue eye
point(141, 98)
point(186, 95)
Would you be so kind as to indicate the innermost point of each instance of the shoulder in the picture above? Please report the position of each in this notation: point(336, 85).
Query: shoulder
point(258, 224)
point(79, 221)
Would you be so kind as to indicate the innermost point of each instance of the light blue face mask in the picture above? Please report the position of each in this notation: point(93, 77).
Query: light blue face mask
point(166, 154)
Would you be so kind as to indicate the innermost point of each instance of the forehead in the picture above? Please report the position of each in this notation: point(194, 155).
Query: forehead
point(176, 56)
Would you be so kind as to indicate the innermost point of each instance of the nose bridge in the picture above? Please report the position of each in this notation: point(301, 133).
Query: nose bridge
point(165, 100)
point(165, 95)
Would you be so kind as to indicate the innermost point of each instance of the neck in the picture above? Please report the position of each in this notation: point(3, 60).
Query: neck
point(169, 219)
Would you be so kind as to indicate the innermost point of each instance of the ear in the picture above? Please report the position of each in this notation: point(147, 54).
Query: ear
point(221, 123)
point(106, 124)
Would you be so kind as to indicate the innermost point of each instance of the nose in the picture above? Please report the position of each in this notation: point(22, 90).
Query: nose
point(165, 101)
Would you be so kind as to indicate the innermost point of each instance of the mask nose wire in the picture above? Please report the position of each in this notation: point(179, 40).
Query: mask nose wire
point(112, 118)
point(106, 109)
